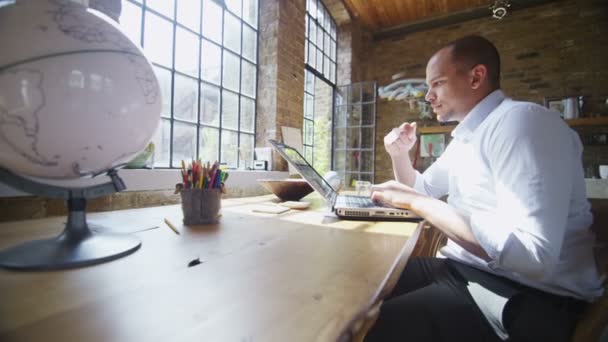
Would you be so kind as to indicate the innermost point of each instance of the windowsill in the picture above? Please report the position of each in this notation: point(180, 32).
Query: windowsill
point(158, 179)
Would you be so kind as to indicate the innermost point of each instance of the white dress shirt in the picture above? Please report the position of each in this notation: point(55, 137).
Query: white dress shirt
point(514, 171)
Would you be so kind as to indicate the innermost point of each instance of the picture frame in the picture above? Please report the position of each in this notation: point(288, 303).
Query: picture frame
point(568, 107)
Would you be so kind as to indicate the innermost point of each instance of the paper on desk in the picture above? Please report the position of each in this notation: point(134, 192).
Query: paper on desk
point(293, 137)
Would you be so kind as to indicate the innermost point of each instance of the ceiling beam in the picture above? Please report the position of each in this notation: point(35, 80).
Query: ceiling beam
point(451, 19)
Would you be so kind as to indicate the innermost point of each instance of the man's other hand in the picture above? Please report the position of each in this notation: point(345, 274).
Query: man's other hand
point(394, 194)
point(400, 140)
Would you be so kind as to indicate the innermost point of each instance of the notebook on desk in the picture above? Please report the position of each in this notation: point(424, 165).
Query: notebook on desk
point(345, 206)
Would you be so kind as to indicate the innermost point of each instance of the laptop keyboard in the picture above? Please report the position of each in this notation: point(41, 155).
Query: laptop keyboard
point(355, 201)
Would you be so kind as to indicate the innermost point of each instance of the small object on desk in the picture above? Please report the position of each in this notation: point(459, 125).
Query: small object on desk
point(260, 165)
point(194, 262)
point(269, 209)
point(295, 204)
point(170, 225)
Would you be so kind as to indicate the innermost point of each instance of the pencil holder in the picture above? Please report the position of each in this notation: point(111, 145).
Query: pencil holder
point(201, 205)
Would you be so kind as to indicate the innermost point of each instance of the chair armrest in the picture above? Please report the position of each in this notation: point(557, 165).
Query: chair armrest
point(430, 241)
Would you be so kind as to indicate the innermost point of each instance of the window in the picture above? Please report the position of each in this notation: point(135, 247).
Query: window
point(205, 58)
point(320, 79)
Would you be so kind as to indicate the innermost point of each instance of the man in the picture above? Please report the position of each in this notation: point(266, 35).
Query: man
point(519, 263)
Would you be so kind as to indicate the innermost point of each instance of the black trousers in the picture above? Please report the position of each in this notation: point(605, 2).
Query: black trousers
point(432, 302)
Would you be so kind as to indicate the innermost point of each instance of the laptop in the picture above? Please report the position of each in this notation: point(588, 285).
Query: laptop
point(348, 207)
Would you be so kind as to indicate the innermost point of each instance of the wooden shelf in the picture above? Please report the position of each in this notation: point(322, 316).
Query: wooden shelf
point(594, 121)
point(436, 129)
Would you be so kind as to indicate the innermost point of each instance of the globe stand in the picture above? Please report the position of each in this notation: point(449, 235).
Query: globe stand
point(77, 245)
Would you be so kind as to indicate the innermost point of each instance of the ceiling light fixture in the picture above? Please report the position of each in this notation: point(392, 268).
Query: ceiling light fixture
point(500, 8)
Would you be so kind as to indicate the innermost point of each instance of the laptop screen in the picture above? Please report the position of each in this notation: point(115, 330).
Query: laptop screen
point(307, 172)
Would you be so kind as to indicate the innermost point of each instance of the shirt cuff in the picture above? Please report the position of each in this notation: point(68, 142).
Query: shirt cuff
point(419, 183)
point(492, 234)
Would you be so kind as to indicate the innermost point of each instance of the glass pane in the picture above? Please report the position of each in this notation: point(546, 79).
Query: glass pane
point(306, 21)
point(326, 44)
point(232, 33)
point(229, 148)
point(231, 71)
point(247, 114)
point(339, 138)
point(189, 13)
point(246, 151)
point(319, 41)
point(310, 82)
point(211, 62)
point(313, 30)
point(212, 21)
point(250, 12)
point(340, 116)
point(162, 6)
point(248, 78)
point(354, 119)
point(234, 6)
point(312, 55)
point(333, 30)
point(313, 8)
point(367, 114)
point(320, 12)
point(162, 140)
point(309, 106)
point(164, 81)
point(210, 105)
point(332, 50)
point(308, 154)
point(319, 64)
point(332, 72)
point(185, 98)
point(339, 161)
point(352, 137)
point(366, 177)
point(186, 52)
point(367, 137)
point(249, 43)
point(130, 21)
point(355, 93)
point(368, 91)
point(230, 110)
point(326, 66)
point(210, 144)
point(367, 161)
point(352, 160)
point(158, 39)
point(309, 132)
point(184, 142)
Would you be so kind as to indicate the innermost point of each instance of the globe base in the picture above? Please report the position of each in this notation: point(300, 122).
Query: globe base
point(77, 245)
point(60, 253)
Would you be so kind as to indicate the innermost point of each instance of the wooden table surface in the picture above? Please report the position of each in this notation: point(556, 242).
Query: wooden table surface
point(296, 276)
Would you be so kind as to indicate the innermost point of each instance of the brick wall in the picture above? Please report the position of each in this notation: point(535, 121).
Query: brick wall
point(557, 49)
point(281, 70)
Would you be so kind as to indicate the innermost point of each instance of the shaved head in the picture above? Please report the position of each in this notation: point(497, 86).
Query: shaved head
point(470, 51)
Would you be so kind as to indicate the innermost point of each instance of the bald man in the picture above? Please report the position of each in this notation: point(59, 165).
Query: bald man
point(519, 263)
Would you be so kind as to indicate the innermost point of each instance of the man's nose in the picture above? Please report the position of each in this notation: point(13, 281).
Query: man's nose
point(430, 96)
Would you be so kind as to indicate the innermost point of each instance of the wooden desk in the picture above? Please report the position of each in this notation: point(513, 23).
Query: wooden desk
point(297, 276)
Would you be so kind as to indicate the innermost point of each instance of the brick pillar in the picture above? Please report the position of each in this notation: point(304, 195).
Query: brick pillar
point(354, 46)
point(281, 70)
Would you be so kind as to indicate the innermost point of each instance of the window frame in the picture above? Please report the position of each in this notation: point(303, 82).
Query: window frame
point(197, 123)
point(316, 74)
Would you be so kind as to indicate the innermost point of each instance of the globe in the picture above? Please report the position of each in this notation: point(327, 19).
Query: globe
point(77, 97)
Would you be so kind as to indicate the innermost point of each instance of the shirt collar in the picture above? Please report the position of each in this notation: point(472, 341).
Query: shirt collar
point(476, 116)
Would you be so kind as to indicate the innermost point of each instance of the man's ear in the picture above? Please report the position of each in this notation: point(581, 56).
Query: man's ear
point(479, 76)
